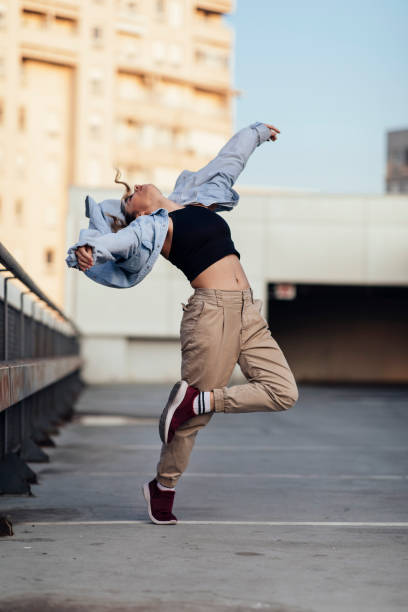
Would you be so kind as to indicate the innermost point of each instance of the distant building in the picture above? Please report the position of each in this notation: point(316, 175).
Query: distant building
point(397, 162)
point(144, 85)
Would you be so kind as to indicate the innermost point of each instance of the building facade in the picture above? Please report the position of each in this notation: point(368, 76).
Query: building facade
point(397, 162)
point(85, 86)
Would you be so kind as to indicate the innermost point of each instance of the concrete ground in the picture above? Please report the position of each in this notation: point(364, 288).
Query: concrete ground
point(302, 511)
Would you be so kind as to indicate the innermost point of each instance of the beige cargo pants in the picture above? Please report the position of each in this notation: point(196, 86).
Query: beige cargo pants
point(219, 329)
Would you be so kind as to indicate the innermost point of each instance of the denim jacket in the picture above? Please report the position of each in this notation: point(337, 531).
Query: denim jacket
point(124, 258)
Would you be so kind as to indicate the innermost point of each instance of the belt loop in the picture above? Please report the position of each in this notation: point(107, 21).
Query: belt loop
point(252, 295)
point(218, 295)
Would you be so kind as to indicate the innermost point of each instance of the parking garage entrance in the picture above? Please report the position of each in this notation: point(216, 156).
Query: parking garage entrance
point(341, 333)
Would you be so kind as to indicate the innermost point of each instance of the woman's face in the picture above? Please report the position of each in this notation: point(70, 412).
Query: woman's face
point(142, 200)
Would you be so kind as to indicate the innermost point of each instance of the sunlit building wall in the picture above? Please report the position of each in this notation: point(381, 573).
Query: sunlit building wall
point(85, 86)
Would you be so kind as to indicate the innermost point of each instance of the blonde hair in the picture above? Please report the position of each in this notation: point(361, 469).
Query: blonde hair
point(116, 223)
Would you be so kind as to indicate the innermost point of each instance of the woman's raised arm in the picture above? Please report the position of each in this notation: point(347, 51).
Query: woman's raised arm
point(233, 156)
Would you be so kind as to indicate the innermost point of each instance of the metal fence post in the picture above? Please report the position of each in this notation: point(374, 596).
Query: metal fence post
point(22, 327)
point(5, 352)
point(32, 325)
point(5, 317)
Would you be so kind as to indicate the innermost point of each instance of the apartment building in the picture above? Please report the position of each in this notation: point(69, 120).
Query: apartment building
point(88, 85)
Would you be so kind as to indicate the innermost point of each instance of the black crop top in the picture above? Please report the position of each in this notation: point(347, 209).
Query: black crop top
point(200, 238)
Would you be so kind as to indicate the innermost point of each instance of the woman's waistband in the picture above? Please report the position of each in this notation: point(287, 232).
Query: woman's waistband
point(224, 296)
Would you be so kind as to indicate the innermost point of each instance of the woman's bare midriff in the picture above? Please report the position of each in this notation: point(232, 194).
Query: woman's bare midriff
point(226, 273)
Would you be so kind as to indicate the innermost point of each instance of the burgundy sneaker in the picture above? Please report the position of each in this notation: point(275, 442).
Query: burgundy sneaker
point(159, 503)
point(179, 408)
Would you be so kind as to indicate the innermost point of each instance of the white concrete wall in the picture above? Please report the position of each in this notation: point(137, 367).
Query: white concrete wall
point(132, 334)
point(120, 359)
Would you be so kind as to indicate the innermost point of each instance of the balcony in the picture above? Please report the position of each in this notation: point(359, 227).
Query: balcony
point(44, 32)
point(154, 110)
point(67, 8)
point(212, 33)
point(131, 23)
point(211, 67)
point(218, 6)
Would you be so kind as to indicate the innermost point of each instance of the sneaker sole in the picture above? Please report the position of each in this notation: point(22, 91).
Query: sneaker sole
point(175, 398)
point(146, 495)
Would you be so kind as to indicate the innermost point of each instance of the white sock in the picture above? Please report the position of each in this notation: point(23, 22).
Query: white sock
point(202, 402)
point(163, 488)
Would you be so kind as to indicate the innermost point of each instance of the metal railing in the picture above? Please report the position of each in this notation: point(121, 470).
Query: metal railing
point(39, 374)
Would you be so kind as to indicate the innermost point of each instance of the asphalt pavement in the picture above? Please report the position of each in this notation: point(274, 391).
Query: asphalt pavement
point(300, 511)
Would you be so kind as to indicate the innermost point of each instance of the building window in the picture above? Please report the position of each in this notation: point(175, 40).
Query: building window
point(161, 10)
point(35, 19)
point(52, 126)
point(51, 170)
point(209, 102)
point(94, 175)
point(173, 95)
point(18, 209)
point(21, 119)
point(175, 11)
point(137, 174)
point(158, 51)
point(129, 48)
point(23, 73)
point(49, 256)
point(212, 59)
point(132, 7)
point(175, 54)
point(164, 137)
point(3, 11)
point(95, 125)
point(148, 136)
point(131, 87)
point(66, 24)
point(97, 34)
point(96, 78)
point(212, 18)
point(21, 165)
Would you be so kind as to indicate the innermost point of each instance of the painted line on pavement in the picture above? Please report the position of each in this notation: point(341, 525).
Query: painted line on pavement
point(232, 523)
point(398, 477)
point(201, 447)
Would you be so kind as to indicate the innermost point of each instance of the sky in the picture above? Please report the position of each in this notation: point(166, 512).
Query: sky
point(332, 75)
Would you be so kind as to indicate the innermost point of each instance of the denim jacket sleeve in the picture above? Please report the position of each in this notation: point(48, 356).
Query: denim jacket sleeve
point(108, 247)
point(120, 245)
point(86, 236)
point(233, 156)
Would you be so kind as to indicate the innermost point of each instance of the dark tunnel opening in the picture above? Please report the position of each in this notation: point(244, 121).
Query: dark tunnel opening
point(341, 333)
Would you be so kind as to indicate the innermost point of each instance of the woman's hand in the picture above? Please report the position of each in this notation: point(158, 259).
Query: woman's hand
point(274, 132)
point(84, 257)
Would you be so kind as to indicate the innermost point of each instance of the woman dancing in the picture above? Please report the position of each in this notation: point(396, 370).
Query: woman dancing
point(221, 325)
